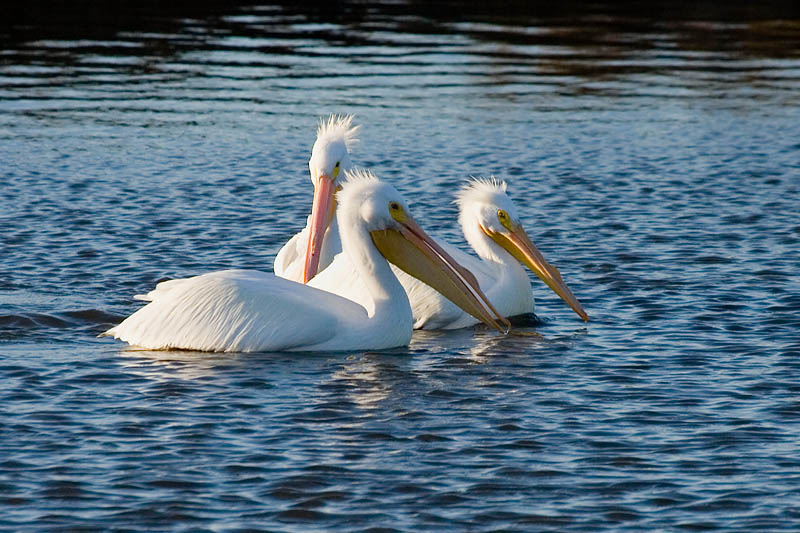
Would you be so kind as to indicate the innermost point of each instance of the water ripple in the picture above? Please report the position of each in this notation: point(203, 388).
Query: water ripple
point(652, 154)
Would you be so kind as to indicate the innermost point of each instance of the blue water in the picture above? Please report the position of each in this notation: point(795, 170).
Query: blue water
point(654, 157)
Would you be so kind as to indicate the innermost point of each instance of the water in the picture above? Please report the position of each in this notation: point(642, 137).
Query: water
point(654, 156)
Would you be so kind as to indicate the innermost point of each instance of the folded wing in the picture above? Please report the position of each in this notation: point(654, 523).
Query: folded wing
point(236, 310)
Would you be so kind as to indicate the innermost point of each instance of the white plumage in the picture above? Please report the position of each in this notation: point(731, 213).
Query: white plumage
point(501, 245)
point(245, 311)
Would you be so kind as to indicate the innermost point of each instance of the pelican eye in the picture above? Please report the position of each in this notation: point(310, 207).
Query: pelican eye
point(504, 219)
point(336, 169)
point(398, 212)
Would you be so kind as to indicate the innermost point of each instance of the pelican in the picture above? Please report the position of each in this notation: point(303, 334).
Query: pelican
point(315, 246)
point(491, 226)
point(246, 311)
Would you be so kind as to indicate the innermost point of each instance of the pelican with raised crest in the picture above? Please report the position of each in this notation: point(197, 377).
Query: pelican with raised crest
point(315, 246)
point(491, 226)
point(247, 311)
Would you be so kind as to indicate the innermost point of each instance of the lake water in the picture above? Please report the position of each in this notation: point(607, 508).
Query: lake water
point(654, 154)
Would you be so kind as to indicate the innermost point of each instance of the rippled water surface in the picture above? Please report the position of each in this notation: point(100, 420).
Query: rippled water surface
point(654, 156)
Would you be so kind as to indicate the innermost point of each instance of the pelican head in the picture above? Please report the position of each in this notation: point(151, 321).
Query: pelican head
point(330, 158)
point(484, 202)
point(384, 214)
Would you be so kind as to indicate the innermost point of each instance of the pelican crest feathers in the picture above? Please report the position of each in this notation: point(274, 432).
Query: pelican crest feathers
point(480, 188)
point(358, 175)
point(356, 181)
point(339, 126)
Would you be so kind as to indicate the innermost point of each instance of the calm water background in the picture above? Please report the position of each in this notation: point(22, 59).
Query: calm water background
point(654, 154)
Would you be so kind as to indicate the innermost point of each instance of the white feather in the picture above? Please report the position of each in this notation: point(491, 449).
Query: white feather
point(501, 277)
point(245, 310)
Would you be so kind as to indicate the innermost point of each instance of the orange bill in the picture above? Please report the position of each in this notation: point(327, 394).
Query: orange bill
point(322, 212)
point(416, 253)
point(518, 244)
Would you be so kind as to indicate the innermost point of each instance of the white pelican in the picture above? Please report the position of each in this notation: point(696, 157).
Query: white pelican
point(245, 310)
point(491, 226)
point(315, 246)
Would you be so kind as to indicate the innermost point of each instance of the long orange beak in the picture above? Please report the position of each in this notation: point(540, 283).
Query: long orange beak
point(413, 250)
point(322, 212)
point(518, 244)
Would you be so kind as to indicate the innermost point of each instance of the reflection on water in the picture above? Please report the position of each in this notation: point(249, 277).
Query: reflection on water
point(651, 149)
point(245, 53)
point(365, 381)
point(183, 365)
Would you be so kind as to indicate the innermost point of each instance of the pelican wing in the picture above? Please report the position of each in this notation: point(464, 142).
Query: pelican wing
point(161, 290)
point(236, 310)
point(289, 261)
